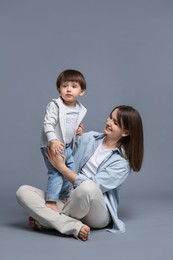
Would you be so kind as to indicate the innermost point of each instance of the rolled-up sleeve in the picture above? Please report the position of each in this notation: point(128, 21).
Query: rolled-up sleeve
point(80, 178)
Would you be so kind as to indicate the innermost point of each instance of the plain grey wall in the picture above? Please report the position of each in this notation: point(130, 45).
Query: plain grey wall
point(124, 49)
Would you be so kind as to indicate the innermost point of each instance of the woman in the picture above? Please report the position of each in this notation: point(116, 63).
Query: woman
point(103, 162)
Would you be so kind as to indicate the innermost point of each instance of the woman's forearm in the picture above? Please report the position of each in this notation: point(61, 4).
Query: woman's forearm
point(68, 173)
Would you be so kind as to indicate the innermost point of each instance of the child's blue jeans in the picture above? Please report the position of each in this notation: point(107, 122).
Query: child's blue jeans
point(57, 185)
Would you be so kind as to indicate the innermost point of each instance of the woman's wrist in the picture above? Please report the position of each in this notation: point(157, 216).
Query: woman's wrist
point(62, 168)
point(68, 173)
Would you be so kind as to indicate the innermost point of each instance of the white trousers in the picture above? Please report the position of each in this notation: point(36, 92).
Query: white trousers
point(85, 205)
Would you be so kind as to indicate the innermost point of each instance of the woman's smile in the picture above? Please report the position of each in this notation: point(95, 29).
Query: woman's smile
point(108, 128)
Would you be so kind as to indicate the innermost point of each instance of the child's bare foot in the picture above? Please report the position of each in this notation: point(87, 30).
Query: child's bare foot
point(33, 223)
point(52, 205)
point(84, 232)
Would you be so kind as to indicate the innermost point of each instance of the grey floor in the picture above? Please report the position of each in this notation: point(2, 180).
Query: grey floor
point(149, 235)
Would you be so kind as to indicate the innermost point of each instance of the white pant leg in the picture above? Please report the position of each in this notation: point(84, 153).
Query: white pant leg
point(33, 200)
point(87, 203)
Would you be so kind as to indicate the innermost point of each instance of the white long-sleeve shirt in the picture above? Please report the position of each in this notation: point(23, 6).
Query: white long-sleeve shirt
point(55, 121)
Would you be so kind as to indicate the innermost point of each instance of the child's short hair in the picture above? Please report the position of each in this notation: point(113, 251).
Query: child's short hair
point(71, 75)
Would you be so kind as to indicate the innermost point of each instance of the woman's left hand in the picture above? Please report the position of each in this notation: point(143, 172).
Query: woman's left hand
point(57, 160)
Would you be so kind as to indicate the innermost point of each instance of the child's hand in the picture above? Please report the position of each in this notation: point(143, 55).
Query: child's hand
point(80, 129)
point(56, 146)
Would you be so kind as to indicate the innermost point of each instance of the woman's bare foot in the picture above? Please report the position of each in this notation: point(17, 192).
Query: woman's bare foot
point(33, 223)
point(52, 205)
point(84, 232)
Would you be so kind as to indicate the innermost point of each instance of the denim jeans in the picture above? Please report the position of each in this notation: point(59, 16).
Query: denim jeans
point(57, 185)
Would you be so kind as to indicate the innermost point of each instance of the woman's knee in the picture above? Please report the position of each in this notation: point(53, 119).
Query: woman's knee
point(20, 190)
point(86, 188)
point(20, 193)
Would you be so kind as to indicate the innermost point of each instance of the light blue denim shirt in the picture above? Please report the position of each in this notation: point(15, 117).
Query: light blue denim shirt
point(111, 173)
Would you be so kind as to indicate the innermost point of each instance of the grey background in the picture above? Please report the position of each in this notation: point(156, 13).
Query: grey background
point(124, 49)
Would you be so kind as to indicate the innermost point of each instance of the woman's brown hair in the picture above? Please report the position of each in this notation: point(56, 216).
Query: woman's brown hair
point(133, 144)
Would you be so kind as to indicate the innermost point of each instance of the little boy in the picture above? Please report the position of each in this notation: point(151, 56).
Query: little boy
point(62, 121)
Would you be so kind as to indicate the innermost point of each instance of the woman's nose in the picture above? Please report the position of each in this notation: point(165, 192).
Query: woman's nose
point(108, 120)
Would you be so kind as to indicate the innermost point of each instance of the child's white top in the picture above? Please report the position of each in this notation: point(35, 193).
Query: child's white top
point(57, 120)
point(71, 122)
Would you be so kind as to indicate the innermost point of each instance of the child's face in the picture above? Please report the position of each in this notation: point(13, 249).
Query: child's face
point(70, 91)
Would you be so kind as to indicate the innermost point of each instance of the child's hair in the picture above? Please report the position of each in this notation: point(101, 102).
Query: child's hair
point(133, 144)
point(71, 75)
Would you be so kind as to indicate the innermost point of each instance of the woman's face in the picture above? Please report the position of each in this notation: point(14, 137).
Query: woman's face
point(112, 129)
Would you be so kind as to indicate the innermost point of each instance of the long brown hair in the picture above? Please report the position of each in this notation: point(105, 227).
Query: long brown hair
point(129, 119)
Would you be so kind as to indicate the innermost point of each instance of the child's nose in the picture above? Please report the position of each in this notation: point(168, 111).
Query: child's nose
point(69, 88)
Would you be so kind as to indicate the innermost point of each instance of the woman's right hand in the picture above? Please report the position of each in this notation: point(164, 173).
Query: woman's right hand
point(56, 159)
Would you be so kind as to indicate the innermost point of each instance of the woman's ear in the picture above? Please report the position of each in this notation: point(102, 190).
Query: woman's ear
point(125, 133)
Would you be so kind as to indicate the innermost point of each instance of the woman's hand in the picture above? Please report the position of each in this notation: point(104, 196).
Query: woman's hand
point(56, 159)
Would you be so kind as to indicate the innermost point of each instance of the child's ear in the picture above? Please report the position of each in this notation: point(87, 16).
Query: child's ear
point(82, 92)
point(58, 89)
